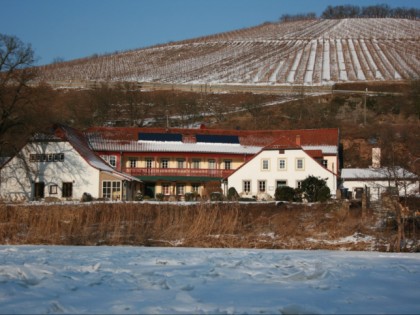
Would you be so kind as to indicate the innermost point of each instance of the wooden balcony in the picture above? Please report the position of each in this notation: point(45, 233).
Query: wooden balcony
point(196, 172)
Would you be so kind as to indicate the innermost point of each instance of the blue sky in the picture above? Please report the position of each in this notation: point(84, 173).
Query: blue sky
point(70, 29)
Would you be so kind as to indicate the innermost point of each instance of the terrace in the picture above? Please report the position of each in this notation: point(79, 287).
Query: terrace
point(189, 172)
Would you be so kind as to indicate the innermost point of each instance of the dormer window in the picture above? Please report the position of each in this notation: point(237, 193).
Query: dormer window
point(110, 159)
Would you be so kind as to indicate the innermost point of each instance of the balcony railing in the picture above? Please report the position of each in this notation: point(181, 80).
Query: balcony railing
point(201, 172)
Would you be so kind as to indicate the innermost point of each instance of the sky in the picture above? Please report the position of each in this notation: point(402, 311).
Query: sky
point(71, 29)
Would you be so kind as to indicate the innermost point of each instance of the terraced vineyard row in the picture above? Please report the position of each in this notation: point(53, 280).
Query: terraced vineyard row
point(317, 52)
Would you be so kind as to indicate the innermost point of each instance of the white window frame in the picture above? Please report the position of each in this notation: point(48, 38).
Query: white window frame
point(195, 188)
point(246, 186)
point(164, 163)
point(166, 189)
point(212, 164)
point(262, 186)
point(180, 189)
point(133, 162)
point(265, 165)
point(110, 159)
point(180, 163)
point(149, 162)
point(109, 187)
point(227, 164)
point(195, 163)
point(298, 160)
point(279, 165)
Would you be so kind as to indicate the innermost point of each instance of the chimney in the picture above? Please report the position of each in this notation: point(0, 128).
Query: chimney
point(376, 157)
point(298, 140)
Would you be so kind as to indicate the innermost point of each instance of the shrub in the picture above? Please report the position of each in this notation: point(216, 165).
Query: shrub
point(138, 196)
point(86, 197)
point(159, 197)
point(232, 194)
point(216, 196)
point(315, 189)
point(285, 193)
point(191, 196)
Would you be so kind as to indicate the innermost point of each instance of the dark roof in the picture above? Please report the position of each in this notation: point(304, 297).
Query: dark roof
point(154, 136)
point(218, 139)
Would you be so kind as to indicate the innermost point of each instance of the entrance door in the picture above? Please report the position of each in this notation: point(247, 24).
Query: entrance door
point(39, 190)
point(149, 189)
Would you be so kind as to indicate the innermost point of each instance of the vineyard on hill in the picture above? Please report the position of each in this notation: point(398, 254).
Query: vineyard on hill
point(307, 52)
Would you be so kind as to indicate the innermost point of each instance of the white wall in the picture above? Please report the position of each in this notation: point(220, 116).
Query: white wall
point(376, 188)
point(253, 171)
point(18, 176)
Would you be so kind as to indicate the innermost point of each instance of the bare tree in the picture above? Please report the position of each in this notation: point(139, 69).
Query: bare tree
point(18, 99)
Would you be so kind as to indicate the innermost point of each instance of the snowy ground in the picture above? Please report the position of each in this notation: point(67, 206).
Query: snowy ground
point(66, 279)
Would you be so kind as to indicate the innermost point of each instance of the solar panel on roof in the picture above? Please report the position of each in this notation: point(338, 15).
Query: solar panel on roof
point(169, 137)
point(217, 139)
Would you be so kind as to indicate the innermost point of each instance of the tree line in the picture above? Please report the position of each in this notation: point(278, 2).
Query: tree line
point(354, 11)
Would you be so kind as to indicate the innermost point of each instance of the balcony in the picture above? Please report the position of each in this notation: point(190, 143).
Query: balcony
point(196, 172)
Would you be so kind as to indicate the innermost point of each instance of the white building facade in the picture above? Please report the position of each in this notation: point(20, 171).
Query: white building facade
point(376, 181)
point(272, 168)
point(61, 168)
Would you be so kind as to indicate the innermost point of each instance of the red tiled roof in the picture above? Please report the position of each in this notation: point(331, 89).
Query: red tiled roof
point(326, 136)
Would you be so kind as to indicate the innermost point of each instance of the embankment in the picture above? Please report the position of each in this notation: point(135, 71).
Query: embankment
point(240, 225)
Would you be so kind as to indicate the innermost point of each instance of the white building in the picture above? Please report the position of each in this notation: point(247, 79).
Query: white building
point(62, 166)
point(284, 164)
point(376, 181)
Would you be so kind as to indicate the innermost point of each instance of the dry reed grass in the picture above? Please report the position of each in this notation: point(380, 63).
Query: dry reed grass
point(254, 225)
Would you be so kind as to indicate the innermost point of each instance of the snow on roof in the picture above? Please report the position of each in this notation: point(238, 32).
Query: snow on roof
point(99, 144)
point(326, 149)
point(376, 173)
point(80, 144)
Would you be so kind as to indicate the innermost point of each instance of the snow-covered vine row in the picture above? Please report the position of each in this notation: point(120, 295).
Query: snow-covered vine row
point(312, 52)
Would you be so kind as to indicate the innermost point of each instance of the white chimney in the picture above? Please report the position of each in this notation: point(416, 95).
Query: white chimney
point(376, 157)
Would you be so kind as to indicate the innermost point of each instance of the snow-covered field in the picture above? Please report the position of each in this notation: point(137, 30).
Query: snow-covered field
point(67, 279)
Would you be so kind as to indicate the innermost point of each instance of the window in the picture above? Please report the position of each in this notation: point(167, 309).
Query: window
point(111, 190)
point(180, 189)
point(67, 191)
point(212, 164)
point(265, 164)
point(282, 164)
point(53, 189)
point(325, 163)
point(261, 185)
point(149, 163)
point(281, 183)
point(247, 186)
point(195, 188)
point(51, 157)
point(228, 164)
point(110, 159)
point(133, 162)
point(195, 164)
point(181, 163)
point(300, 164)
point(165, 189)
point(299, 184)
point(164, 163)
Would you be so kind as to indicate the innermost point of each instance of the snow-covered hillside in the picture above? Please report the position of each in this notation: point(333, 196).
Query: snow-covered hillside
point(309, 52)
point(136, 280)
